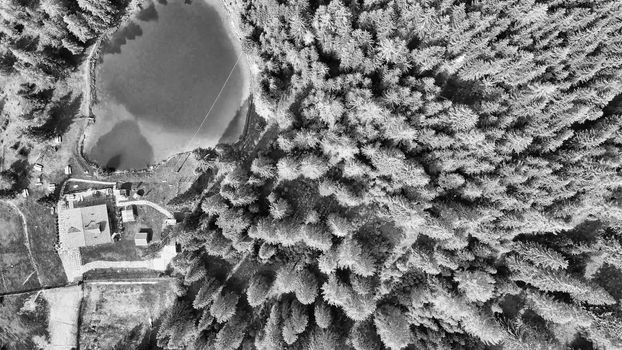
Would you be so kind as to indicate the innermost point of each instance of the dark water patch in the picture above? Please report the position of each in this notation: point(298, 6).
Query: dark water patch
point(148, 14)
point(111, 150)
point(165, 74)
point(176, 74)
point(236, 125)
point(129, 32)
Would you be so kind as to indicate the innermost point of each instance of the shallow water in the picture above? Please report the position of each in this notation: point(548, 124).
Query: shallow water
point(158, 77)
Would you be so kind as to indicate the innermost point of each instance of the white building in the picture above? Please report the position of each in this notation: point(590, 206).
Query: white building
point(86, 226)
point(141, 239)
point(127, 214)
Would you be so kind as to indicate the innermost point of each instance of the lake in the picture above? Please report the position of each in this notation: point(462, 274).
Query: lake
point(158, 77)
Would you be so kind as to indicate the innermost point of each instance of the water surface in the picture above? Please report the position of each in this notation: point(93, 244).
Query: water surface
point(158, 77)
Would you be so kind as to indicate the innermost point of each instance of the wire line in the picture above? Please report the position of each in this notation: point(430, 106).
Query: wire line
point(213, 104)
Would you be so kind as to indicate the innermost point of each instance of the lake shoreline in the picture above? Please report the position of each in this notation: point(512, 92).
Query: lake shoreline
point(93, 64)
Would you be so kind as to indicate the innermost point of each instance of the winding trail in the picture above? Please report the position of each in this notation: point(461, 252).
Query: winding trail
point(26, 239)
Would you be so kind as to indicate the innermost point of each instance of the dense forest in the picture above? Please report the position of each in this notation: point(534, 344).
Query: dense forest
point(445, 176)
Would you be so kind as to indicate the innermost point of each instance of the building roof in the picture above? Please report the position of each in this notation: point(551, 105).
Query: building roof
point(96, 227)
point(80, 227)
point(141, 238)
point(70, 228)
point(127, 214)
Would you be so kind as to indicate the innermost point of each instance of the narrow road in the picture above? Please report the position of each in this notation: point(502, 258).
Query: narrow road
point(73, 179)
point(155, 206)
point(26, 239)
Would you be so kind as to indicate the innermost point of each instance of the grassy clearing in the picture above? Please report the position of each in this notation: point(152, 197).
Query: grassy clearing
point(123, 250)
point(146, 218)
point(43, 237)
point(23, 327)
point(15, 264)
point(118, 315)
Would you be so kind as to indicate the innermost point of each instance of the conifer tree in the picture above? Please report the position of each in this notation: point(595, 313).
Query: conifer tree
point(224, 305)
point(258, 289)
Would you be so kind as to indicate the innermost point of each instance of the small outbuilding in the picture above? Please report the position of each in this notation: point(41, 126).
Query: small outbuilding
point(38, 167)
point(127, 214)
point(25, 193)
point(51, 187)
point(120, 194)
point(141, 239)
point(68, 170)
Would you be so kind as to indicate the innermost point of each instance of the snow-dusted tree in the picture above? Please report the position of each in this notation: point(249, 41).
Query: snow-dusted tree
point(477, 286)
point(258, 289)
point(223, 307)
point(323, 314)
point(392, 327)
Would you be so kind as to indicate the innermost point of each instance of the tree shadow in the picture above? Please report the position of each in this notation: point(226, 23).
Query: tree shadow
point(61, 116)
point(128, 32)
point(18, 176)
point(236, 126)
point(113, 163)
point(195, 190)
point(123, 147)
point(148, 14)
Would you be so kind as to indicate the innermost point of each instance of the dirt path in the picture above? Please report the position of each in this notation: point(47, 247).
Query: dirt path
point(89, 78)
point(26, 240)
point(64, 312)
point(159, 263)
point(155, 206)
point(73, 179)
point(74, 269)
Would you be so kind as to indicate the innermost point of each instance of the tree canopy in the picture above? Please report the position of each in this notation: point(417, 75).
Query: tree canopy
point(435, 174)
point(435, 166)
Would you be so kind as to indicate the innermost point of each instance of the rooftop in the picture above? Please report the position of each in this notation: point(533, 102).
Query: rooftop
point(84, 226)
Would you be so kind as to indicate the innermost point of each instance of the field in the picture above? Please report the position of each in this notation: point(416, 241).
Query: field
point(146, 218)
point(16, 269)
point(119, 315)
point(23, 321)
point(42, 233)
point(123, 250)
